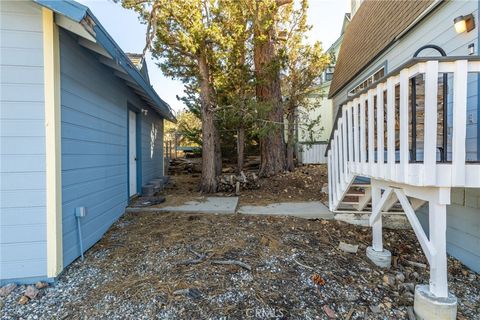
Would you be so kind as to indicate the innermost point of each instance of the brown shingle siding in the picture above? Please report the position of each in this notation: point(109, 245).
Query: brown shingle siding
point(373, 28)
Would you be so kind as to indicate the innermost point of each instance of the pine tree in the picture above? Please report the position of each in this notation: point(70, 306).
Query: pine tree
point(302, 70)
point(188, 39)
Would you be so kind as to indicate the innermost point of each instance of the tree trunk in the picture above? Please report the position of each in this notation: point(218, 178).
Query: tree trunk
point(272, 145)
point(208, 183)
point(240, 148)
point(291, 139)
point(218, 153)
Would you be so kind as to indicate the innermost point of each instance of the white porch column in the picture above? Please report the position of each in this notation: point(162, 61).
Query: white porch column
point(376, 253)
point(377, 236)
point(437, 217)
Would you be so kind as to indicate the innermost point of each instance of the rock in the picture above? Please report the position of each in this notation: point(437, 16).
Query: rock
point(400, 277)
point(7, 289)
point(31, 292)
point(411, 313)
point(192, 293)
point(1, 304)
point(389, 279)
point(350, 248)
point(329, 312)
point(41, 285)
point(410, 287)
point(375, 309)
point(23, 300)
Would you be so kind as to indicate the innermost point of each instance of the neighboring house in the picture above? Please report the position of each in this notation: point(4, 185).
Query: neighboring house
point(81, 127)
point(312, 142)
point(407, 130)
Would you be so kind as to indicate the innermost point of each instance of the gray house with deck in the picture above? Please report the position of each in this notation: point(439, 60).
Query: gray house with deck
point(406, 138)
point(81, 131)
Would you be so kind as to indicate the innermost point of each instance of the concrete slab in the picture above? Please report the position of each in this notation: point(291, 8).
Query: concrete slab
point(307, 210)
point(391, 220)
point(226, 205)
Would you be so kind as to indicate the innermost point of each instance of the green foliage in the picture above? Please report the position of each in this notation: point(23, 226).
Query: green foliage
point(187, 131)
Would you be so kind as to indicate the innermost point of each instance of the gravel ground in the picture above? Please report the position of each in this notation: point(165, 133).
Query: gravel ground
point(143, 268)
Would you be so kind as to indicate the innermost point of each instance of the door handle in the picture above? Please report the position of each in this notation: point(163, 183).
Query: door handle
point(135, 158)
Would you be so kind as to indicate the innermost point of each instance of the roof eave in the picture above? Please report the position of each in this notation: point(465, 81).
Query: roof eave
point(82, 15)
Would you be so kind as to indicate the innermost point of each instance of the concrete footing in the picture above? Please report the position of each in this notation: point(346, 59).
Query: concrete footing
point(382, 259)
point(429, 307)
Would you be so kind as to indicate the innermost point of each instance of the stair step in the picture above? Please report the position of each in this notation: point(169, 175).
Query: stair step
point(354, 193)
point(360, 185)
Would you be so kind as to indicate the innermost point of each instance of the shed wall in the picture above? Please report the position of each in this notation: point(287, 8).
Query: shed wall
point(95, 106)
point(22, 148)
point(152, 146)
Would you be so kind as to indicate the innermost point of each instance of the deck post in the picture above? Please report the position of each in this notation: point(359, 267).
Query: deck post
point(376, 253)
point(433, 301)
point(377, 236)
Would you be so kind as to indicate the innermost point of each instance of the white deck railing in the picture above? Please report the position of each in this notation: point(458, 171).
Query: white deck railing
point(351, 152)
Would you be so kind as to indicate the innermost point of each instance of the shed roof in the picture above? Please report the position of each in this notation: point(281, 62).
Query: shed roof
point(375, 27)
point(97, 39)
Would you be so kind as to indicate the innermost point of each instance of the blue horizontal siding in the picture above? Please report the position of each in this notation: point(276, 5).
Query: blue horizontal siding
point(21, 39)
point(18, 110)
point(22, 144)
point(22, 180)
point(94, 145)
point(23, 162)
point(151, 146)
point(30, 215)
point(463, 232)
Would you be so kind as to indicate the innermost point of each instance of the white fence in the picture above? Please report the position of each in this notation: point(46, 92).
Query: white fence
point(313, 154)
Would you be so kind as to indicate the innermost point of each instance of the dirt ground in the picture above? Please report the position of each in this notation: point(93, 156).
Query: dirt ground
point(144, 268)
point(303, 184)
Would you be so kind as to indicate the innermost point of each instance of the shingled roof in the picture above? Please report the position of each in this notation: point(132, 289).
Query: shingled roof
point(374, 27)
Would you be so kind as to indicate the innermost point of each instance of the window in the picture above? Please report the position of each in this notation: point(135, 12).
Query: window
point(368, 81)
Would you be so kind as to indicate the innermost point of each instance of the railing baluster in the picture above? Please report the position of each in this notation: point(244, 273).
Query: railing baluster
point(345, 144)
point(363, 151)
point(380, 118)
point(404, 159)
point(336, 162)
point(330, 182)
point(334, 172)
point(340, 151)
point(391, 128)
point(459, 122)
point(356, 134)
point(350, 136)
point(430, 131)
point(371, 132)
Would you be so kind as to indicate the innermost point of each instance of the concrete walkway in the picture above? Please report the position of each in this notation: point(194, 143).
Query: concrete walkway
point(228, 205)
point(307, 210)
point(225, 205)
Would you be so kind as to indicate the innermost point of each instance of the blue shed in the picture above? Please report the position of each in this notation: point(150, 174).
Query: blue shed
point(81, 126)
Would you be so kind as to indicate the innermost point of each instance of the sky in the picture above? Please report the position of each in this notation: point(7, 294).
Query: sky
point(326, 17)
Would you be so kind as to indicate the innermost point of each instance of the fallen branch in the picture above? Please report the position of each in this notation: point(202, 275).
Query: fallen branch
point(302, 265)
point(200, 258)
point(233, 262)
point(416, 264)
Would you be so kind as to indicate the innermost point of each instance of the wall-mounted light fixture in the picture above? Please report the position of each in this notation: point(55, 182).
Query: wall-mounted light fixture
point(464, 23)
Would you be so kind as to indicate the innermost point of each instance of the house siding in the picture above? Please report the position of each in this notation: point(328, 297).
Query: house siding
point(22, 135)
point(463, 218)
point(151, 146)
point(463, 226)
point(94, 109)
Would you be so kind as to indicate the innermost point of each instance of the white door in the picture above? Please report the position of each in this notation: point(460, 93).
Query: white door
point(132, 152)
